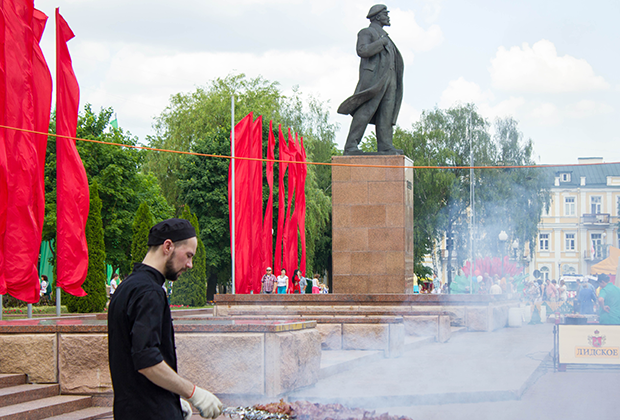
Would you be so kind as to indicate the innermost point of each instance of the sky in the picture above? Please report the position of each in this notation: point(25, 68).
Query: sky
point(552, 65)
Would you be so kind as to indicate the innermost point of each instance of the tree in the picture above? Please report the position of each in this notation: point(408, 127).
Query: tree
point(190, 289)
point(142, 223)
point(200, 122)
point(123, 187)
point(441, 196)
point(95, 282)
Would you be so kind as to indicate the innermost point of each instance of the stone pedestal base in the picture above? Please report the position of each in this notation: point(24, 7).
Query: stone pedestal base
point(372, 209)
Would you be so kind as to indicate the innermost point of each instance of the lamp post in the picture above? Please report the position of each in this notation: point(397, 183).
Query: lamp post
point(503, 237)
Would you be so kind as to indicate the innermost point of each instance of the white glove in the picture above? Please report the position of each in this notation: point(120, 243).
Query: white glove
point(186, 408)
point(207, 404)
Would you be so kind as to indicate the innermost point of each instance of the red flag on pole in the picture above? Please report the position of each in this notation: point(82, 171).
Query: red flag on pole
point(42, 89)
point(300, 203)
point(242, 247)
point(72, 184)
point(290, 226)
point(22, 231)
point(268, 221)
point(281, 236)
point(3, 163)
point(254, 184)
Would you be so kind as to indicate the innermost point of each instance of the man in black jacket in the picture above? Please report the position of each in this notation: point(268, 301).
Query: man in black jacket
point(379, 92)
point(142, 354)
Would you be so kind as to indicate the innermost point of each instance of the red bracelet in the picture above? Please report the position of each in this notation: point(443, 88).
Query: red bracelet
point(194, 390)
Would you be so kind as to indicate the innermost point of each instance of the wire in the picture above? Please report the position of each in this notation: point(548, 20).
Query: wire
point(357, 165)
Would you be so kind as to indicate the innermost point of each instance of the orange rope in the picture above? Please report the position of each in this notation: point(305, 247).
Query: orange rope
point(299, 162)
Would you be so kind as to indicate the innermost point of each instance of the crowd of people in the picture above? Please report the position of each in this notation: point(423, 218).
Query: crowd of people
point(297, 284)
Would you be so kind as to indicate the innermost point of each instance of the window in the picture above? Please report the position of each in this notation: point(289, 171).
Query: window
point(570, 242)
point(595, 204)
point(544, 242)
point(565, 177)
point(618, 206)
point(597, 245)
point(544, 273)
point(569, 206)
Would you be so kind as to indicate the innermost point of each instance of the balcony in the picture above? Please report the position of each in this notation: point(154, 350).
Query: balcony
point(598, 219)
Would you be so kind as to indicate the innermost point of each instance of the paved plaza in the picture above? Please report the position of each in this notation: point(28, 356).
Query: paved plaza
point(506, 374)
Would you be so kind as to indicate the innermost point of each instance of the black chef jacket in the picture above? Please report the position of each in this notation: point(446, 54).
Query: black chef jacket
point(140, 335)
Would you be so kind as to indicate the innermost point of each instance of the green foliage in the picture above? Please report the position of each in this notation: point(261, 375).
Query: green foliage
point(95, 282)
point(142, 223)
point(505, 199)
point(200, 122)
point(123, 187)
point(190, 289)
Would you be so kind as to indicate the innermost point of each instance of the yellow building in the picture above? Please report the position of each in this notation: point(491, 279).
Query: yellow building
point(582, 221)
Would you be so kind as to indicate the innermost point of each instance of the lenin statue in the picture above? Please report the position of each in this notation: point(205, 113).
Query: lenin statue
point(379, 92)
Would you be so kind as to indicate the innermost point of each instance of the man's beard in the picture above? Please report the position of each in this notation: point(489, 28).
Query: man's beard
point(169, 271)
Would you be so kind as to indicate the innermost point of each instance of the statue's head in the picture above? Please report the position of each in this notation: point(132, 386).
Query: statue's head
point(379, 13)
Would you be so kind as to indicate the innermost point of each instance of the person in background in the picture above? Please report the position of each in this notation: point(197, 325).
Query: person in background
point(552, 291)
point(562, 293)
point(496, 289)
point(282, 282)
point(609, 301)
point(113, 284)
point(295, 288)
point(586, 298)
point(267, 282)
point(315, 284)
point(44, 284)
point(303, 283)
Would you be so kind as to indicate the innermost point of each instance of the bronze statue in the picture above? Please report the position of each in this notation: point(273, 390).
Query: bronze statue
point(379, 92)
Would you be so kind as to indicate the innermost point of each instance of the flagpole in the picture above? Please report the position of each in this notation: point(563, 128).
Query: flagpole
point(232, 162)
point(57, 301)
point(1, 309)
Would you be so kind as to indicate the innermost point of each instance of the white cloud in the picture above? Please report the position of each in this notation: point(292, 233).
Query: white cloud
point(462, 91)
point(539, 69)
point(587, 108)
point(546, 114)
point(409, 36)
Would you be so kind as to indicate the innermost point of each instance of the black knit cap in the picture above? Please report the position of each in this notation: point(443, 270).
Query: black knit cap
point(173, 229)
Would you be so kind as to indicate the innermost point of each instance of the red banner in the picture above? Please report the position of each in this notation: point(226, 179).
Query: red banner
point(3, 163)
point(268, 220)
point(242, 243)
point(253, 232)
point(22, 231)
point(280, 234)
point(72, 194)
point(255, 190)
point(300, 203)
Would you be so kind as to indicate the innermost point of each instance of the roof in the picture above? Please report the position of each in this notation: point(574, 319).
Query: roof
point(596, 175)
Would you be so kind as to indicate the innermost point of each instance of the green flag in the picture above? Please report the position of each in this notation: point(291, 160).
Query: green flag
point(114, 122)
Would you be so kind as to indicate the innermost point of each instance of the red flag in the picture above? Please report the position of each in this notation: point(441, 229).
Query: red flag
point(268, 221)
point(283, 154)
point(290, 226)
point(255, 189)
point(243, 246)
point(42, 88)
point(3, 163)
point(22, 231)
point(300, 204)
point(72, 193)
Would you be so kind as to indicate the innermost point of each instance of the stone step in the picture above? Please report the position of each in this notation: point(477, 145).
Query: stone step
point(23, 393)
point(91, 413)
point(45, 407)
point(12, 379)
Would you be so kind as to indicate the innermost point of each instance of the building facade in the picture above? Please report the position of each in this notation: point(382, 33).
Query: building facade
point(582, 221)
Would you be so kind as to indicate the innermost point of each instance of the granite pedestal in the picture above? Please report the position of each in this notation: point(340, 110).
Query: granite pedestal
point(372, 209)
